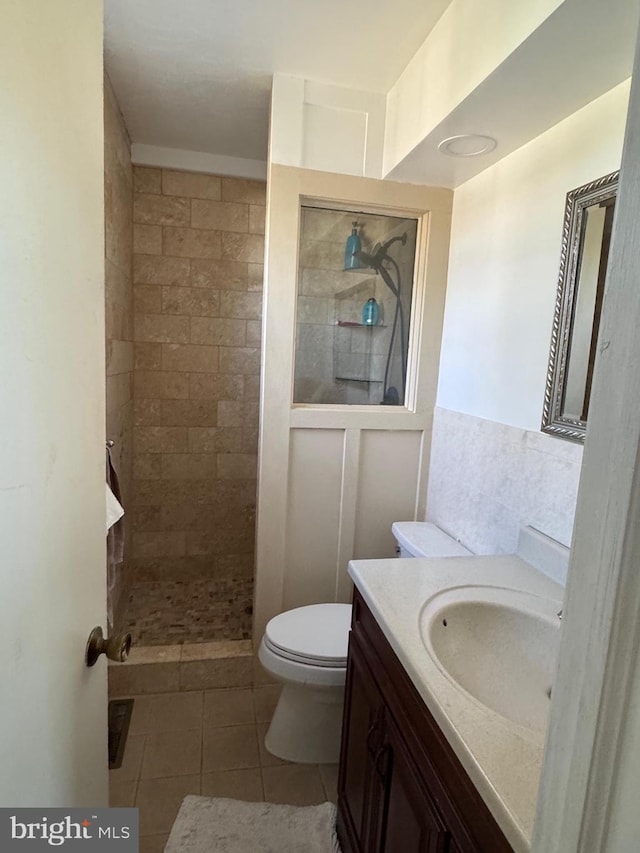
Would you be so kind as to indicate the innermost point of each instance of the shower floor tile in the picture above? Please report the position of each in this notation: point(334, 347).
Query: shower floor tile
point(192, 611)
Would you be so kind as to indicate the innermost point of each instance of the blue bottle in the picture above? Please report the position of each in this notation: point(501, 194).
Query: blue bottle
point(370, 313)
point(351, 249)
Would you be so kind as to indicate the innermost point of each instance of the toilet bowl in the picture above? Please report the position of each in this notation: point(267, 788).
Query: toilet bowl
point(306, 649)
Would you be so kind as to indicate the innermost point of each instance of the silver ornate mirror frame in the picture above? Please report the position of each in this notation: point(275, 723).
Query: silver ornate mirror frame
point(554, 420)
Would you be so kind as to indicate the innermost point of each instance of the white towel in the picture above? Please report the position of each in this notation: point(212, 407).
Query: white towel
point(114, 508)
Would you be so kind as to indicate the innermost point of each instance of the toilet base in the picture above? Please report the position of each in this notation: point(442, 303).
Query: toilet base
point(307, 725)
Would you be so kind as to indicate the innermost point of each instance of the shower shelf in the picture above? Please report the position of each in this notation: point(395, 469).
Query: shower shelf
point(357, 379)
point(347, 324)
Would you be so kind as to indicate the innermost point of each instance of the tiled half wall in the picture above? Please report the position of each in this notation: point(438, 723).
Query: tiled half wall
point(118, 182)
point(486, 479)
point(197, 272)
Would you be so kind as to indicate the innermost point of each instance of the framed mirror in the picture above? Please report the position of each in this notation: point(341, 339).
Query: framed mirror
point(586, 236)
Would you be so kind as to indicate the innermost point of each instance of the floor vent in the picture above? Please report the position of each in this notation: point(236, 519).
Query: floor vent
point(119, 719)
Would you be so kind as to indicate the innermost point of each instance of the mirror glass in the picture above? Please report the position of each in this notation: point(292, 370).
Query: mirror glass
point(586, 238)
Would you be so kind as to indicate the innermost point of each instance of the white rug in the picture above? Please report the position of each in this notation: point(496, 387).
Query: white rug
point(219, 825)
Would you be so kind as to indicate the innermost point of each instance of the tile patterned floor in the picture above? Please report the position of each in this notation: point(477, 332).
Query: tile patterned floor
point(192, 611)
point(209, 743)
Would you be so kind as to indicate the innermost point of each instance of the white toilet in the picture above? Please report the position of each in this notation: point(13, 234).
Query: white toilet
point(423, 539)
point(306, 649)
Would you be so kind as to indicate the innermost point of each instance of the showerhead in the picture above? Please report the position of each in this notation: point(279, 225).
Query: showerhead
point(402, 239)
point(374, 261)
point(379, 254)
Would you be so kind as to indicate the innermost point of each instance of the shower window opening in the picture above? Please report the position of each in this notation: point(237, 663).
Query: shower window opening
point(354, 300)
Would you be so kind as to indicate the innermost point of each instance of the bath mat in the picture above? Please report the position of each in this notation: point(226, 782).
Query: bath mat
point(220, 825)
point(119, 719)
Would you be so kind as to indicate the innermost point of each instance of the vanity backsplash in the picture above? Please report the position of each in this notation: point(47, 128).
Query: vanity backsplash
point(488, 479)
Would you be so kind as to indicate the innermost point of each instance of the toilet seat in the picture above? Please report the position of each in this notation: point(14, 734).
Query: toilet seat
point(299, 658)
point(298, 672)
point(315, 635)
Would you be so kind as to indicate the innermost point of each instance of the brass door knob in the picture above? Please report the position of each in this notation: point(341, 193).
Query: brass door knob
point(115, 648)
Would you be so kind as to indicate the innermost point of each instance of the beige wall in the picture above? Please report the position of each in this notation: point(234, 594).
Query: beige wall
point(491, 469)
point(118, 208)
point(198, 253)
point(506, 237)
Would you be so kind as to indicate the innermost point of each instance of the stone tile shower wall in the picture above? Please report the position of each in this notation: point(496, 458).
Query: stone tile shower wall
point(198, 254)
point(118, 181)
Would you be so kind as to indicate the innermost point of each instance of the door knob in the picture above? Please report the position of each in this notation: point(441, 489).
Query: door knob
point(115, 648)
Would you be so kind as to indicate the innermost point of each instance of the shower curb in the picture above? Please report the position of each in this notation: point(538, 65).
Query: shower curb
point(193, 666)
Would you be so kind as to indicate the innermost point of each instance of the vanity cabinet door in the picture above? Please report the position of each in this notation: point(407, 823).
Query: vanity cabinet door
point(362, 738)
point(408, 820)
point(401, 788)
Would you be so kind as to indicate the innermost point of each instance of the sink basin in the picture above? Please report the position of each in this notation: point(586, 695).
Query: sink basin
point(498, 645)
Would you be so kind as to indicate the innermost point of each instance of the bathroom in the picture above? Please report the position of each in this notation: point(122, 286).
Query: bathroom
point(200, 457)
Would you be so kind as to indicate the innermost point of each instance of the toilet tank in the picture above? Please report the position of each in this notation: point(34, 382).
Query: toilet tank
point(424, 539)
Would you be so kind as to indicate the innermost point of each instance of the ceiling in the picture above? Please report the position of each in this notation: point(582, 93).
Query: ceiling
point(196, 74)
point(579, 52)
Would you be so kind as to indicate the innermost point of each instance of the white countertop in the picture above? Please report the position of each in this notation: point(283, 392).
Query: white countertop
point(503, 759)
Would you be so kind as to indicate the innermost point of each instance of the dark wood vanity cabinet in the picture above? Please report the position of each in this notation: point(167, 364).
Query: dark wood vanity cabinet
point(387, 803)
point(401, 789)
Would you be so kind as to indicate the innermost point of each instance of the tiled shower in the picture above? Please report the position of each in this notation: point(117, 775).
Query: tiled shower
point(340, 360)
point(184, 304)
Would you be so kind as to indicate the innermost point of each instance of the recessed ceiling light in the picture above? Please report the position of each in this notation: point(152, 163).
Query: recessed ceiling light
point(467, 145)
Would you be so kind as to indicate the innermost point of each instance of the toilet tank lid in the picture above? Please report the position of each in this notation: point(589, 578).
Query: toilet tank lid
point(318, 631)
point(424, 539)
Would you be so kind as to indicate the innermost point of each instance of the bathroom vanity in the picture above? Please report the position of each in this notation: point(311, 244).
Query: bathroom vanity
point(425, 767)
